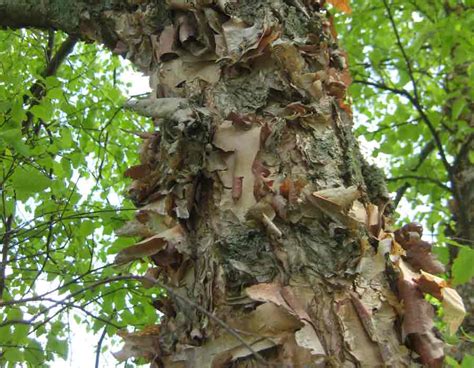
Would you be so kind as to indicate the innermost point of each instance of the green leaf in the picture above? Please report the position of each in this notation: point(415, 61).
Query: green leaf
point(468, 361)
point(451, 362)
point(12, 355)
point(56, 93)
point(34, 353)
point(457, 108)
point(463, 269)
point(442, 253)
point(52, 82)
point(58, 346)
point(18, 113)
point(27, 180)
point(20, 332)
point(66, 138)
point(13, 137)
point(43, 111)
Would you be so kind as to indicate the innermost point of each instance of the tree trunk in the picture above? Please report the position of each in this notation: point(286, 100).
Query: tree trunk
point(254, 201)
point(462, 205)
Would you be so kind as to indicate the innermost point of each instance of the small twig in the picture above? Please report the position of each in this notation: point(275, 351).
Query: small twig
point(421, 11)
point(421, 112)
point(168, 289)
point(5, 249)
point(415, 98)
point(38, 89)
point(204, 311)
point(402, 49)
point(383, 86)
point(386, 127)
point(422, 178)
point(47, 256)
point(99, 347)
point(42, 296)
point(424, 154)
point(50, 45)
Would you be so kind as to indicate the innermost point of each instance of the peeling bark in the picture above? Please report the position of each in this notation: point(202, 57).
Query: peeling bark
point(252, 193)
point(262, 125)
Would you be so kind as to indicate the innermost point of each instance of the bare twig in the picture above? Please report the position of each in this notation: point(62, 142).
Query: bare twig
point(422, 178)
point(44, 295)
point(50, 45)
point(5, 249)
point(402, 49)
point(421, 112)
point(425, 152)
point(99, 346)
point(204, 311)
point(415, 98)
point(38, 89)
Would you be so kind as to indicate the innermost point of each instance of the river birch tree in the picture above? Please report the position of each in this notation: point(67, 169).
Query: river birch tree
point(260, 219)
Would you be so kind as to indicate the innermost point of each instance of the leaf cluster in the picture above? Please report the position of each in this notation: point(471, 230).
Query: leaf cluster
point(63, 150)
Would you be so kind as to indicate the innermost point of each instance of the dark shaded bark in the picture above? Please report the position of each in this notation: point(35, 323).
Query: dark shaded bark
point(59, 14)
point(7, 222)
point(101, 21)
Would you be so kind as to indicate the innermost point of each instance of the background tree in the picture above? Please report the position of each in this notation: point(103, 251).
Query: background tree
point(413, 84)
point(265, 224)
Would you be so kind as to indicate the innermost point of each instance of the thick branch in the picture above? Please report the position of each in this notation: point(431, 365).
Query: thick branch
point(100, 21)
point(46, 14)
point(38, 88)
point(65, 49)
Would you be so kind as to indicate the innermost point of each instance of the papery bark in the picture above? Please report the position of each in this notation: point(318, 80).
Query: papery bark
point(262, 208)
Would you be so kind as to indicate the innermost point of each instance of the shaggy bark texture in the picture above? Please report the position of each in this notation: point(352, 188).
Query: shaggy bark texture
point(254, 201)
point(249, 105)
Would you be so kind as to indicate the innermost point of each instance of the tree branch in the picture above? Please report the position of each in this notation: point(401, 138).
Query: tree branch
point(415, 98)
point(89, 19)
point(5, 248)
point(402, 49)
point(99, 347)
point(50, 46)
point(383, 86)
point(466, 147)
point(421, 112)
point(422, 178)
point(38, 89)
point(57, 14)
point(425, 152)
point(51, 68)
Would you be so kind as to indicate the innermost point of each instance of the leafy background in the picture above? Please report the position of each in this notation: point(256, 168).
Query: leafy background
point(63, 153)
point(411, 59)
